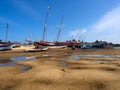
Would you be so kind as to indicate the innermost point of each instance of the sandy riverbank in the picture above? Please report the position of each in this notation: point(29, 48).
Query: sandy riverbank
point(54, 70)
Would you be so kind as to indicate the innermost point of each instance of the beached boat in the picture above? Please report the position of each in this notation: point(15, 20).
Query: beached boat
point(86, 46)
point(73, 42)
point(56, 44)
point(36, 49)
point(50, 45)
point(6, 47)
point(43, 43)
point(1, 43)
point(56, 47)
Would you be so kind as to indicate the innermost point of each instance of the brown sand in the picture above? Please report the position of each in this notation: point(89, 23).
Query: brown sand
point(48, 73)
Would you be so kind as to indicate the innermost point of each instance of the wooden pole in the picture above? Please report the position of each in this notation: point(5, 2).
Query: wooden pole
point(45, 25)
point(60, 28)
point(7, 32)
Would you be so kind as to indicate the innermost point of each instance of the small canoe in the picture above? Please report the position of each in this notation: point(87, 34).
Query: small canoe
point(36, 49)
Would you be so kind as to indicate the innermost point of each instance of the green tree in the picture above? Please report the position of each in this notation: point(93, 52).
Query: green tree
point(0, 40)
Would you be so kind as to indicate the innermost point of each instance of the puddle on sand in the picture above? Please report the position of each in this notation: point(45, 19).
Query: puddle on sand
point(74, 57)
point(8, 64)
point(22, 67)
point(22, 58)
point(101, 61)
point(91, 55)
point(12, 62)
point(77, 57)
point(63, 62)
point(25, 68)
point(47, 56)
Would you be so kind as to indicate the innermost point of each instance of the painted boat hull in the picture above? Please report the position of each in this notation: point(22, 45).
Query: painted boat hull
point(56, 47)
point(41, 43)
point(86, 46)
point(6, 47)
point(50, 45)
point(36, 50)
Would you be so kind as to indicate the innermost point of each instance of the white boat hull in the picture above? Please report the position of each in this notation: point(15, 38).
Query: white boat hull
point(56, 47)
point(36, 50)
point(6, 47)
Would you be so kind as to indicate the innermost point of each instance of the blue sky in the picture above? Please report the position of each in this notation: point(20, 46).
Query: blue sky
point(86, 20)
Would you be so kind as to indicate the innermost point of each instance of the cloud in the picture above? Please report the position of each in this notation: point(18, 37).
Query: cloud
point(107, 27)
point(77, 33)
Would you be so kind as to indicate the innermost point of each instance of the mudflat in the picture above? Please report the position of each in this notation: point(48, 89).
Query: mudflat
point(62, 69)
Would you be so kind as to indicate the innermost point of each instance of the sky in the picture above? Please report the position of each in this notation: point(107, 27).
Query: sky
point(87, 20)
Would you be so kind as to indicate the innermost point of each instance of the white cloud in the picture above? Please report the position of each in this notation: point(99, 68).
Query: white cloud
point(77, 33)
point(107, 28)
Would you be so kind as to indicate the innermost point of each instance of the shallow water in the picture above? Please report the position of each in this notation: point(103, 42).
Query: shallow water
point(77, 57)
point(13, 61)
point(74, 57)
point(22, 58)
point(8, 64)
point(63, 62)
point(91, 55)
point(101, 61)
point(25, 68)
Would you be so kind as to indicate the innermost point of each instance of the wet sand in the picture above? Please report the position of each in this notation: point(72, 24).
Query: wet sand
point(55, 70)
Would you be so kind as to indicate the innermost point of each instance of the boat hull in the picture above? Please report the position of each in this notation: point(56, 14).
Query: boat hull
point(6, 47)
point(44, 43)
point(56, 47)
point(36, 50)
point(50, 45)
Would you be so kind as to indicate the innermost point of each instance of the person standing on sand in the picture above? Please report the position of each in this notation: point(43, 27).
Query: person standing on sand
point(73, 47)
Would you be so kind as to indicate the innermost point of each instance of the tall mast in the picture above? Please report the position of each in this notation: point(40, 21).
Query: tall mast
point(7, 32)
point(45, 25)
point(60, 28)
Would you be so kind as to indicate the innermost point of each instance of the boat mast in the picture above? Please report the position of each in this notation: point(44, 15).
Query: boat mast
point(60, 28)
point(7, 32)
point(45, 25)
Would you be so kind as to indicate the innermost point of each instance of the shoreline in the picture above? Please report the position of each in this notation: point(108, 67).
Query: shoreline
point(55, 70)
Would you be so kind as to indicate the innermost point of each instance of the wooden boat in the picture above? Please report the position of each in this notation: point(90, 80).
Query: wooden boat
point(1, 43)
point(86, 46)
point(36, 49)
point(6, 47)
point(43, 43)
point(73, 42)
point(56, 47)
point(50, 45)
